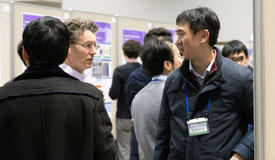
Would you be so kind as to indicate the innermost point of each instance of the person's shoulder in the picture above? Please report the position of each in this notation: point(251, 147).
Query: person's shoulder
point(86, 88)
point(235, 71)
point(51, 85)
point(129, 68)
point(119, 68)
point(141, 95)
point(174, 76)
point(174, 81)
point(136, 73)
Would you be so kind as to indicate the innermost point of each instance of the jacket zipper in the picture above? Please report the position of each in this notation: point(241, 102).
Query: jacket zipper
point(209, 82)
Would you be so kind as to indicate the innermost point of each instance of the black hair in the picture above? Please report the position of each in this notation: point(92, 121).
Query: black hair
point(158, 32)
point(131, 48)
point(20, 51)
point(232, 47)
point(199, 19)
point(46, 41)
point(154, 53)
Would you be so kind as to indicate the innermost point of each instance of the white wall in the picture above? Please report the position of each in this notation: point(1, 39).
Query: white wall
point(235, 15)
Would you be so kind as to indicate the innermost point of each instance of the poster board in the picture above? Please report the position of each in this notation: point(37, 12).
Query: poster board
point(22, 15)
point(5, 43)
point(104, 60)
point(170, 27)
point(129, 28)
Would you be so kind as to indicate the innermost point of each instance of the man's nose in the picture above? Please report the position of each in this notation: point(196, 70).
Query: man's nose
point(179, 42)
point(92, 51)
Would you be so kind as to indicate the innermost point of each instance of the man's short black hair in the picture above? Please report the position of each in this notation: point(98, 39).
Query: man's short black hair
point(131, 48)
point(232, 47)
point(46, 41)
point(158, 32)
point(199, 19)
point(154, 53)
point(20, 50)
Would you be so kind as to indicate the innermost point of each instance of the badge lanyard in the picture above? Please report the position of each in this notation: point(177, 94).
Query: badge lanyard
point(187, 102)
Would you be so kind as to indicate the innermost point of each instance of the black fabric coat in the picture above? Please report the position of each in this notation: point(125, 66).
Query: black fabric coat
point(230, 112)
point(45, 114)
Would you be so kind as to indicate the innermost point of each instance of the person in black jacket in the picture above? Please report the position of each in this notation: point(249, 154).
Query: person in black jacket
point(207, 103)
point(131, 49)
point(46, 113)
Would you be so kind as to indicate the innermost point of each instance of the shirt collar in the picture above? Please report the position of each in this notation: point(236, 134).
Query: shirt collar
point(132, 60)
point(208, 69)
point(73, 72)
point(161, 77)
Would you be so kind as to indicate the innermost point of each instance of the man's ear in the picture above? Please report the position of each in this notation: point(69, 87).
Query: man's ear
point(69, 51)
point(167, 67)
point(204, 36)
point(26, 57)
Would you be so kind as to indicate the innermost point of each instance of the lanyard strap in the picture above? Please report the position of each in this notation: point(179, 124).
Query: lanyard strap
point(187, 102)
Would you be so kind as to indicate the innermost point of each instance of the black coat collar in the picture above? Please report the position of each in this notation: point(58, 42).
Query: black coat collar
point(42, 71)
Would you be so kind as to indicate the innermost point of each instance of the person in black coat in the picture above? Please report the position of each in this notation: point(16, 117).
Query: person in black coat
point(46, 113)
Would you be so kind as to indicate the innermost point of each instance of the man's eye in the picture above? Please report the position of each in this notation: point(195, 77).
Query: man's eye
point(180, 34)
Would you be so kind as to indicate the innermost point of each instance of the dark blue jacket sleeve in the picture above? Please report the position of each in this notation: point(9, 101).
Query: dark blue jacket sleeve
point(246, 146)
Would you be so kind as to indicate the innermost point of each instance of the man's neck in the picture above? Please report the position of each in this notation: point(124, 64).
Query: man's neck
point(201, 62)
point(130, 60)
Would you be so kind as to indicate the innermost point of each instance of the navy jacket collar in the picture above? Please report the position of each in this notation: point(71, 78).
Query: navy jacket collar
point(215, 75)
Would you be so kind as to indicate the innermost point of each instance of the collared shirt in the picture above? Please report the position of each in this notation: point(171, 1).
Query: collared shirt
point(73, 72)
point(206, 72)
point(131, 60)
point(161, 77)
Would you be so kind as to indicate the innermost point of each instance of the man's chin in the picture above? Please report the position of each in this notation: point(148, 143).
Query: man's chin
point(88, 66)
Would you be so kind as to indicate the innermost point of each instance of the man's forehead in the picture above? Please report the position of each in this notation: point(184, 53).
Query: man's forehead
point(87, 36)
point(179, 28)
point(182, 27)
point(237, 54)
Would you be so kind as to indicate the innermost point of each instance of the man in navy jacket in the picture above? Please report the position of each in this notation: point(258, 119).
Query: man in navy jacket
point(208, 102)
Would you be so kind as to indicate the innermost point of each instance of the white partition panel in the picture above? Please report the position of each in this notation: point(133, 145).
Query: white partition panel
point(5, 43)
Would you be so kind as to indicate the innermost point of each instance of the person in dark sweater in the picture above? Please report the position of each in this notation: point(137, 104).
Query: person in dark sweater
point(131, 50)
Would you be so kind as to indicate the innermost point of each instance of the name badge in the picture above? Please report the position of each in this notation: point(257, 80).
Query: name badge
point(198, 126)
